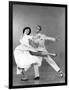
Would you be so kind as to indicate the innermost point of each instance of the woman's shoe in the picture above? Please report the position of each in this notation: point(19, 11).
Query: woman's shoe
point(24, 78)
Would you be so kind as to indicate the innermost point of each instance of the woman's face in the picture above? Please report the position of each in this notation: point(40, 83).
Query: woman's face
point(26, 31)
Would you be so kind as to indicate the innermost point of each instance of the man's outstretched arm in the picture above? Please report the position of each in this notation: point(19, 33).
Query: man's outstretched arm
point(49, 38)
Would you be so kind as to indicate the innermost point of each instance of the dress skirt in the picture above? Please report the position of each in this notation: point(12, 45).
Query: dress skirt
point(24, 59)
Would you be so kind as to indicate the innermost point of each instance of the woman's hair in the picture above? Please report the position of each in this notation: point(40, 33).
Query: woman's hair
point(26, 29)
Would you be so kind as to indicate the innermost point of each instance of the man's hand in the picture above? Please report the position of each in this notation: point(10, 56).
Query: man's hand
point(57, 38)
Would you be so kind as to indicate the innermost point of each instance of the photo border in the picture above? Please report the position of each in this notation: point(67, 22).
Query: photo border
point(11, 3)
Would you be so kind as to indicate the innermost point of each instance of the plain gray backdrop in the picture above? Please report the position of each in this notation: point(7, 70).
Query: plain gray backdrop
point(52, 20)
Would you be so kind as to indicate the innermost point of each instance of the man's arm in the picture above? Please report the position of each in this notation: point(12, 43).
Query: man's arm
point(44, 37)
point(49, 38)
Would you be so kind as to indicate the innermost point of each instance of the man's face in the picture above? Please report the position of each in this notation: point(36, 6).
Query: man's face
point(38, 29)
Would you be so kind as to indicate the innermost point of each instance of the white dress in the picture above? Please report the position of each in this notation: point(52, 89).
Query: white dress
point(22, 56)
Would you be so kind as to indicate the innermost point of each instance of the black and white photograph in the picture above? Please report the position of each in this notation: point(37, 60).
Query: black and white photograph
point(37, 44)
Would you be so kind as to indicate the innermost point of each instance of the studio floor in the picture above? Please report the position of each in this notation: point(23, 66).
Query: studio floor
point(47, 76)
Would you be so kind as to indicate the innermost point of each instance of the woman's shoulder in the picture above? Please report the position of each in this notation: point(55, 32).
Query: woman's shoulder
point(25, 38)
point(29, 36)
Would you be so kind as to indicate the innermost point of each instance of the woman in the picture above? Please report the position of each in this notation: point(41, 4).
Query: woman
point(23, 57)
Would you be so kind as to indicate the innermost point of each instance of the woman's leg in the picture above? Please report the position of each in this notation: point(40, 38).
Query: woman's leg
point(19, 71)
point(24, 76)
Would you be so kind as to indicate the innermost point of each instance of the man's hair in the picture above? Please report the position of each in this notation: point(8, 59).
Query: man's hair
point(26, 29)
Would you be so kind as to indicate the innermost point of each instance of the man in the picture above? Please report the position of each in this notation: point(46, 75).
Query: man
point(40, 38)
